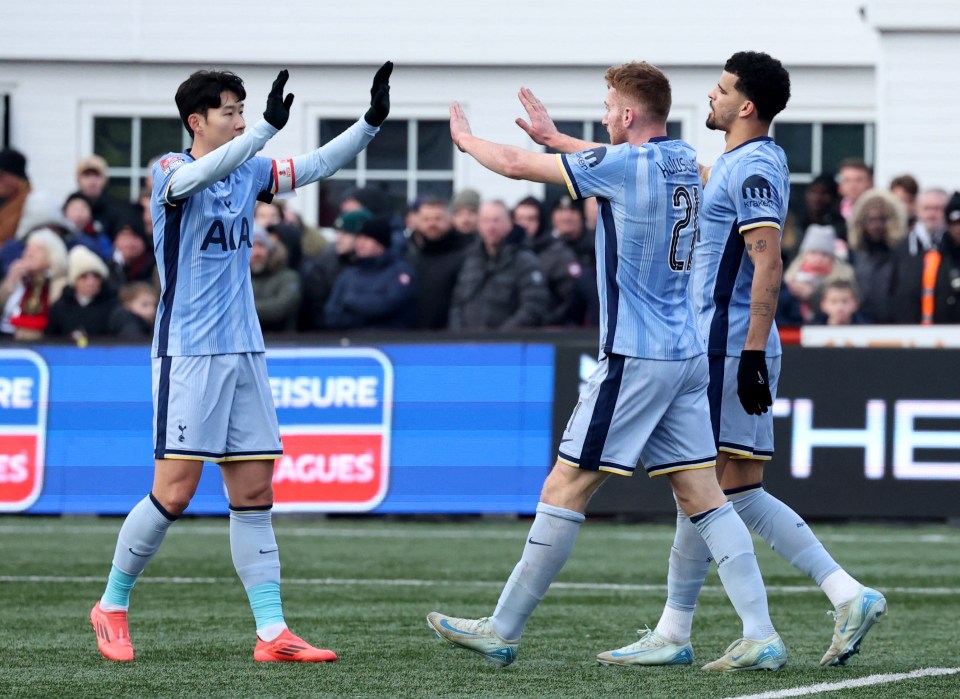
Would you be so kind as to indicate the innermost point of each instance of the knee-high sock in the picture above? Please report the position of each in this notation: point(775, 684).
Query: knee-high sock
point(548, 547)
point(789, 535)
point(689, 564)
point(257, 560)
point(140, 537)
point(732, 548)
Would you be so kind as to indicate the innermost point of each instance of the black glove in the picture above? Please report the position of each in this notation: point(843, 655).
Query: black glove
point(278, 108)
point(380, 96)
point(753, 384)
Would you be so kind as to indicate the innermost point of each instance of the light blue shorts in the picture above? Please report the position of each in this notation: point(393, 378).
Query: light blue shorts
point(641, 410)
point(214, 408)
point(737, 432)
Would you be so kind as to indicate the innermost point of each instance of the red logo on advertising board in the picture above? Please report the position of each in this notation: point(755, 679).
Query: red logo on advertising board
point(23, 420)
point(334, 407)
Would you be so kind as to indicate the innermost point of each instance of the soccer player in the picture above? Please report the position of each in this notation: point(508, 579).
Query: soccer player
point(211, 395)
point(647, 400)
point(737, 270)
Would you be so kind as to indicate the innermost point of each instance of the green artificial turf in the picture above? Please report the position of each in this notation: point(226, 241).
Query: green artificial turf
point(362, 587)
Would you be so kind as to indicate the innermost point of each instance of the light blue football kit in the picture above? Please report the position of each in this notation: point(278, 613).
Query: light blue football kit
point(749, 187)
point(212, 399)
point(647, 399)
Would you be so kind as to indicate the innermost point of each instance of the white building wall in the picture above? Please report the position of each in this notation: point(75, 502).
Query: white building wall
point(917, 99)
point(64, 62)
point(434, 32)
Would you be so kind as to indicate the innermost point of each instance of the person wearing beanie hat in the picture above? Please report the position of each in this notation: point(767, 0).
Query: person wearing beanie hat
point(352, 221)
point(107, 211)
point(14, 188)
point(822, 239)
point(277, 289)
point(377, 291)
point(87, 305)
point(377, 230)
point(464, 207)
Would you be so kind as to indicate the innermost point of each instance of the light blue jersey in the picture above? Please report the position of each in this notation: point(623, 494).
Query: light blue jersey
point(203, 244)
point(748, 188)
point(648, 200)
point(203, 233)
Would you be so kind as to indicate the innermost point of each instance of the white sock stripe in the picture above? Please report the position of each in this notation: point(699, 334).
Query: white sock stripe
point(868, 681)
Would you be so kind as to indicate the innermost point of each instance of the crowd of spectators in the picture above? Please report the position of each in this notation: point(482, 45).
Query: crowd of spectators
point(853, 253)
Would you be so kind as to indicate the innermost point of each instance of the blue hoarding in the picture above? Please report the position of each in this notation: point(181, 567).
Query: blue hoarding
point(457, 428)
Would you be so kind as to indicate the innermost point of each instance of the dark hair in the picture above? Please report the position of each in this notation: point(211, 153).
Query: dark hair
point(72, 197)
point(763, 80)
point(643, 83)
point(855, 164)
point(202, 91)
point(828, 182)
point(908, 183)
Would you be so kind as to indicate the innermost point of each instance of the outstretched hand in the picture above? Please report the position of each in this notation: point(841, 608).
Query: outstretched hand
point(278, 106)
point(541, 127)
point(380, 96)
point(459, 126)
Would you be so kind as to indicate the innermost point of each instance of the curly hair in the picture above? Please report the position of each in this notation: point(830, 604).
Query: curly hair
point(895, 212)
point(763, 80)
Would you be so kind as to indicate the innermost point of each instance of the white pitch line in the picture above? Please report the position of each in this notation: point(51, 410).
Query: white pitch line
point(851, 684)
point(455, 532)
point(412, 582)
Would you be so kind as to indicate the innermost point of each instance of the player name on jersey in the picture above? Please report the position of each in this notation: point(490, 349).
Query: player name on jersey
point(24, 383)
point(334, 407)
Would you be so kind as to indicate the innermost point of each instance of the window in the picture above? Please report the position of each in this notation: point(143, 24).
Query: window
point(129, 143)
point(815, 148)
point(408, 158)
point(596, 132)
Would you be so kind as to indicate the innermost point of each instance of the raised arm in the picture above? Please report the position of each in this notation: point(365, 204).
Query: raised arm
point(542, 129)
point(335, 154)
point(509, 161)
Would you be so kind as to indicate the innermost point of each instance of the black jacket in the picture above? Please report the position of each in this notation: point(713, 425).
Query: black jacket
point(68, 316)
point(436, 264)
point(375, 292)
point(318, 275)
point(562, 271)
point(502, 292)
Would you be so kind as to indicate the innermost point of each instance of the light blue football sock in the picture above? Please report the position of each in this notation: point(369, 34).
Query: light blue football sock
point(689, 564)
point(256, 557)
point(732, 548)
point(787, 533)
point(140, 537)
point(549, 544)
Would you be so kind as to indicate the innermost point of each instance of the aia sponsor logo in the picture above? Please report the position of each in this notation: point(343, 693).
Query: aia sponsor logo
point(334, 407)
point(24, 389)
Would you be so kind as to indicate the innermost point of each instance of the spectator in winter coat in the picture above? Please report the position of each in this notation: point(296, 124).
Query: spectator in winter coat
point(877, 224)
point(276, 287)
point(135, 317)
point(319, 273)
point(377, 291)
point(501, 285)
point(436, 253)
point(33, 283)
point(557, 260)
point(87, 304)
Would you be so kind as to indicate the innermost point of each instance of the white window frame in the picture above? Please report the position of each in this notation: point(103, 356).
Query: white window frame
point(89, 111)
point(315, 113)
point(817, 118)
